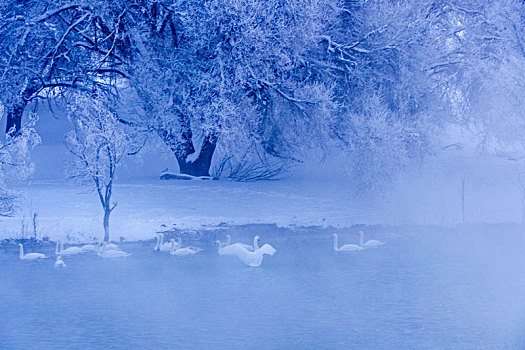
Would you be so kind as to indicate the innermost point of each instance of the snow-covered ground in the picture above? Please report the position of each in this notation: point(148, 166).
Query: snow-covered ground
point(432, 196)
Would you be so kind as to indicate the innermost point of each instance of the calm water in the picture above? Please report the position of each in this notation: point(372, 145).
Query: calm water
point(425, 289)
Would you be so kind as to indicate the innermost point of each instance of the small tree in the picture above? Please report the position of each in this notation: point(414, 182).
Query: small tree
point(99, 144)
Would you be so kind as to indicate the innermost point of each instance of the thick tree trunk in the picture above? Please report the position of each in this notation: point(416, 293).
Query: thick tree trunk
point(107, 212)
point(201, 165)
point(182, 147)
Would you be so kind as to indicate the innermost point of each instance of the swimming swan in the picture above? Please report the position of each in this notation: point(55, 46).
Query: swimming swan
point(110, 253)
point(370, 243)
point(59, 250)
point(60, 262)
point(111, 246)
point(346, 247)
point(160, 245)
point(89, 248)
point(224, 244)
point(221, 244)
point(250, 258)
point(30, 256)
point(247, 246)
point(177, 250)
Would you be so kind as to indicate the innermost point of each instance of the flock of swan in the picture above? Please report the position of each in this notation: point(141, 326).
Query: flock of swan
point(353, 247)
point(250, 254)
point(105, 250)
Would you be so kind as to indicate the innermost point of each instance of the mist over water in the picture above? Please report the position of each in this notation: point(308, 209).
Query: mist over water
point(427, 287)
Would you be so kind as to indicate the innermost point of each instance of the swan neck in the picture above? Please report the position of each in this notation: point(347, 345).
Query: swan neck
point(361, 238)
point(21, 254)
point(255, 243)
point(228, 239)
point(57, 248)
point(336, 248)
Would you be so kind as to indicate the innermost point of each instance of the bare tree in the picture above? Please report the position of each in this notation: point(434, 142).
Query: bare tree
point(98, 144)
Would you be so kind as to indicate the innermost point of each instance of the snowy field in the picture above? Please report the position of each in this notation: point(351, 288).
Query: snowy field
point(66, 210)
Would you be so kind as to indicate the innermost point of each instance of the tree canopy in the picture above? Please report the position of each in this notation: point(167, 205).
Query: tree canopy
point(251, 86)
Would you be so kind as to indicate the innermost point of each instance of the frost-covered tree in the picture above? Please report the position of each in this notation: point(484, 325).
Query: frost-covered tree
point(256, 84)
point(205, 70)
point(230, 76)
point(98, 144)
point(15, 163)
point(494, 103)
point(405, 69)
point(377, 56)
point(49, 46)
point(480, 69)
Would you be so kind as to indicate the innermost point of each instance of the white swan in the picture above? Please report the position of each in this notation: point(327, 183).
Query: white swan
point(30, 256)
point(346, 247)
point(89, 248)
point(251, 258)
point(224, 244)
point(221, 244)
point(111, 246)
point(60, 262)
point(161, 246)
point(110, 253)
point(59, 250)
point(247, 246)
point(177, 250)
point(370, 243)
